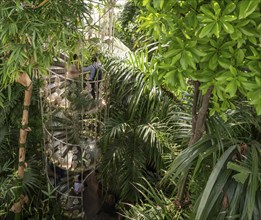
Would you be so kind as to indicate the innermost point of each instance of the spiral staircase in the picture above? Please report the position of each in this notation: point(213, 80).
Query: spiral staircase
point(72, 124)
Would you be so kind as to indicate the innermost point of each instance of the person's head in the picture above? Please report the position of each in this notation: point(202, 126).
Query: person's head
point(75, 56)
point(72, 70)
point(94, 59)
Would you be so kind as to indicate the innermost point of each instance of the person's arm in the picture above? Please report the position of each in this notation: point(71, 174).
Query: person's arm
point(90, 69)
point(87, 69)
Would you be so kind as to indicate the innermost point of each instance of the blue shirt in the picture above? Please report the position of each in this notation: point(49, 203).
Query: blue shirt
point(91, 69)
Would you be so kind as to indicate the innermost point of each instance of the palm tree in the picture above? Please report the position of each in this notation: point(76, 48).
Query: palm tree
point(137, 131)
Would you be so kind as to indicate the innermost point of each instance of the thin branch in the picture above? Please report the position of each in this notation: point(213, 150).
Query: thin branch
point(42, 3)
point(194, 107)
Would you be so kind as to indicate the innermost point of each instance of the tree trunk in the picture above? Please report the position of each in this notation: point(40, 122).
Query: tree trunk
point(198, 128)
point(25, 80)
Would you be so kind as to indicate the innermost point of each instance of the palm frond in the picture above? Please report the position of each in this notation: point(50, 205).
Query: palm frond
point(138, 130)
point(154, 205)
point(186, 158)
point(31, 181)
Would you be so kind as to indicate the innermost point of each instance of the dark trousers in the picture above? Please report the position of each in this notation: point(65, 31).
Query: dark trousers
point(94, 88)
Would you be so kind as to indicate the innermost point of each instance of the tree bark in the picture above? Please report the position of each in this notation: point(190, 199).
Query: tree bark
point(25, 80)
point(194, 107)
point(201, 117)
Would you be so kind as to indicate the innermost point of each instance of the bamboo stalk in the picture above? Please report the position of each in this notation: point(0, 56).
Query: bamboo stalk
point(25, 80)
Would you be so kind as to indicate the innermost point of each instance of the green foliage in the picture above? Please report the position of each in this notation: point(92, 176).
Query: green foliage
point(126, 25)
point(10, 183)
point(7, 145)
point(204, 203)
point(214, 42)
point(34, 181)
point(252, 179)
point(137, 132)
point(32, 36)
point(11, 117)
point(12, 97)
point(241, 177)
point(155, 205)
point(78, 98)
point(231, 169)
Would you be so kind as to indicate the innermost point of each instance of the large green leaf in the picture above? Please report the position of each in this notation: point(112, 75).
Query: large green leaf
point(184, 160)
point(253, 185)
point(211, 182)
point(247, 7)
point(216, 192)
point(206, 30)
point(243, 172)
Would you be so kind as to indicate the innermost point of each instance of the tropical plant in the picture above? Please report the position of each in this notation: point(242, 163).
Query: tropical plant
point(11, 97)
point(208, 42)
point(137, 131)
point(154, 205)
point(234, 192)
point(32, 34)
point(125, 27)
point(34, 182)
point(235, 173)
point(193, 58)
point(10, 182)
point(209, 45)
